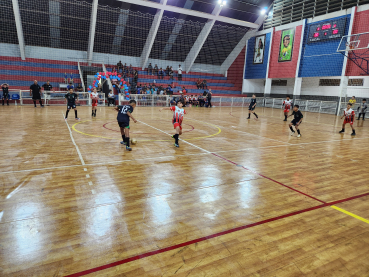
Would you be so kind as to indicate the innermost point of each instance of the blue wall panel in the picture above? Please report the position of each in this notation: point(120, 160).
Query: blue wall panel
point(256, 71)
point(320, 58)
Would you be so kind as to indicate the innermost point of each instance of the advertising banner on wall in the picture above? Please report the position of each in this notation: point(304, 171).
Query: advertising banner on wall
point(286, 47)
point(259, 49)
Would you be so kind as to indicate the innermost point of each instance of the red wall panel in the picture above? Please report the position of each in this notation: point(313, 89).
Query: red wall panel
point(235, 71)
point(361, 25)
point(284, 69)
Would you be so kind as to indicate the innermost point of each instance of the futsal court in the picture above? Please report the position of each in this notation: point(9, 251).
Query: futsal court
point(238, 197)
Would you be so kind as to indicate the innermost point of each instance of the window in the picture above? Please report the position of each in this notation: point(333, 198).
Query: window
point(279, 83)
point(356, 82)
point(329, 82)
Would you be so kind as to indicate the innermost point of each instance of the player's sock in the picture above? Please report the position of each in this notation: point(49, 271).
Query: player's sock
point(34, 102)
point(127, 142)
point(95, 113)
point(7, 102)
point(176, 136)
point(298, 131)
point(66, 114)
point(3, 102)
point(92, 113)
point(40, 103)
point(248, 117)
point(256, 115)
point(291, 129)
point(75, 113)
point(124, 138)
point(285, 117)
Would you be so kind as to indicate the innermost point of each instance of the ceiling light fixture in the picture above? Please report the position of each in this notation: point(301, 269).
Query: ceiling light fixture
point(222, 2)
point(263, 11)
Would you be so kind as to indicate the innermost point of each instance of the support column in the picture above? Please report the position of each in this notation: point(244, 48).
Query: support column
point(298, 80)
point(91, 39)
point(195, 50)
point(54, 18)
point(268, 81)
point(18, 24)
point(344, 78)
point(152, 34)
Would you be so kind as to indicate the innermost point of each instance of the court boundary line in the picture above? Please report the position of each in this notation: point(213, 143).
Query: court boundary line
point(71, 136)
point(350, 214)
point(176, 246)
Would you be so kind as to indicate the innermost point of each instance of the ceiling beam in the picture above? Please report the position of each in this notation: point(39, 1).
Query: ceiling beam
point(191, 12)
point(91, 39)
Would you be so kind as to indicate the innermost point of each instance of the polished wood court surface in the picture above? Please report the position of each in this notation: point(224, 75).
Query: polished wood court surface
point(238, 197)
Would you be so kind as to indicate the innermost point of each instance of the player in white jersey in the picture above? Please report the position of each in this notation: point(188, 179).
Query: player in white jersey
point(95, 99)
point(287, 104)
point(178, 113)
point(349, 116)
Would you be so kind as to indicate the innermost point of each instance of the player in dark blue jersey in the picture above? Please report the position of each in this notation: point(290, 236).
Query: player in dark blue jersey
point(71, 99)
point(252, 106)
point(123, 117)
point(6, 95)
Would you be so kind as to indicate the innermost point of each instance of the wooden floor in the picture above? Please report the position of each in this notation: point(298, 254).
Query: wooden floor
point(238, 198)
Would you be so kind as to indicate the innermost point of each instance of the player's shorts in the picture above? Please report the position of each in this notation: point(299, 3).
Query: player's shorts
point(94, 102)
point(123, 124)
point(348, 120)
point(286, 110)
point(36, 96)
point(251, 108)
point(176, 124)
point(48, 95)
point(71, 106)
point(6, 96)
point(295, 121)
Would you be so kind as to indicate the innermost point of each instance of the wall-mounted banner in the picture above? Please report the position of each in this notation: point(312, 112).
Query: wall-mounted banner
point(286, 48)
point(259, 49)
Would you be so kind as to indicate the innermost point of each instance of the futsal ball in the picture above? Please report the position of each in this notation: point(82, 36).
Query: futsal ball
point(134, 141)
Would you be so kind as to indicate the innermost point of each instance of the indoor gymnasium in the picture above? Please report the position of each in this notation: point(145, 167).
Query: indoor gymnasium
point(184, 138)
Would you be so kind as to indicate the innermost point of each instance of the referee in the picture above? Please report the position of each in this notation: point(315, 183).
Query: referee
point(35, 92)
point(47, 89)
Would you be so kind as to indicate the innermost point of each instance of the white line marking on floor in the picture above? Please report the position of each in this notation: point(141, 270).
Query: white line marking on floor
point(85, 169)
point(202, 149)
point(87, 175)
point(90, 183)
point(93, 191)
point(71, 136)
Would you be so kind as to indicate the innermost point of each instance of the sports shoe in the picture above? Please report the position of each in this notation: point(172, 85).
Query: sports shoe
point(128, 148)
point(298, 135)
point(176, 145)
point(66, 119)
point(292, 133)
point(77, 118)
point(94, 115)
point(123, 142)
point(342, 131)
point(285, 120)
point(353, 134)
point(42, 106)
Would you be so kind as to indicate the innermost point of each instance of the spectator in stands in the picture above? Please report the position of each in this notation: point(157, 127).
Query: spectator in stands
point(173, 101)
point(169, 90)
point(125, 68)
point(70, 86)
point(130, 70)
point(111, 98)
point(208, 96)
point(79, 88)
point(179, 73)
point(204, 84)
point(99, 88)
point(119, 66)
point(144, 87)
point(35, 91)
point(156, 70)
point(71, 78)
point(171, 75)
point(149, 69)
point(65, 78)
point(184, 91)
point(199, 84)
point(114, 70)
point(167, 70)
point(135, 76)
point(47, 90)
point(161, 73)
point(352, 100)
point(201, 100)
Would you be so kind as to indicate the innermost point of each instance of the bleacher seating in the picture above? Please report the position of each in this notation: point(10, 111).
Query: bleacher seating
point(20, 74)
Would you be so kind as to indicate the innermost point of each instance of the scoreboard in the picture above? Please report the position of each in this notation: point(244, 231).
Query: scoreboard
point(330, 29)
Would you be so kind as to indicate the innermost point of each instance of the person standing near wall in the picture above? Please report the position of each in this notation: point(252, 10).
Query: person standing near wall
point(6, 95)
point(47, 90)
point(35, 92)
point(179, 73)
point(208, 95)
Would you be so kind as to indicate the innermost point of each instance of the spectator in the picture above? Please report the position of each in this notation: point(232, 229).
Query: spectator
point(184, 91)
point(135, 76)
point(156, 70)
point(130, 70)
point(204, 84)
point(79, 88)
point(119, 66)
point(125, 68)
point(161, 73)
point(195, 102)
point(179, 73)
point(47, 89)
point(70, 86)
point(169, 90)
point(149, 69)
point(65, 78)
point(171, 75)
point(111, 98)
point(6, 95)
point(167, 70)
point(99, 88)
point(199, 84)
point(71, 78)
point(114, 70)
point(201, 100)
point(35, 91)
point(173, 101)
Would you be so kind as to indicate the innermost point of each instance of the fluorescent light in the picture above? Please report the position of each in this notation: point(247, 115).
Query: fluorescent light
point(262, 11)
point(224, 3)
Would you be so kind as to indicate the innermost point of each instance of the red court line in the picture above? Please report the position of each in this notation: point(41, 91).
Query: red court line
point(261, 175)
point(169, 248)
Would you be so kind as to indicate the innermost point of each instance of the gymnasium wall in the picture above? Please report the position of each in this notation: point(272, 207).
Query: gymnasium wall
point(284, 69)
point(256, 71)
point(235, 71)
point(321, 58)
point(360, 25)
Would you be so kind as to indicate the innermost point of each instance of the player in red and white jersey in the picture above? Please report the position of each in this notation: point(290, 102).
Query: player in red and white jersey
point(349, 116)
point(195, 101)
point(95, 99)
point(178, 113)
point(287, 104)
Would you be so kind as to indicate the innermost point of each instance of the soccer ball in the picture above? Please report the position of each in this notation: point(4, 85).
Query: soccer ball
point(133, 141)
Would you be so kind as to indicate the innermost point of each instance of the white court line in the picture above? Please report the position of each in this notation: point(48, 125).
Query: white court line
point(71, 136)
point(179, 139)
